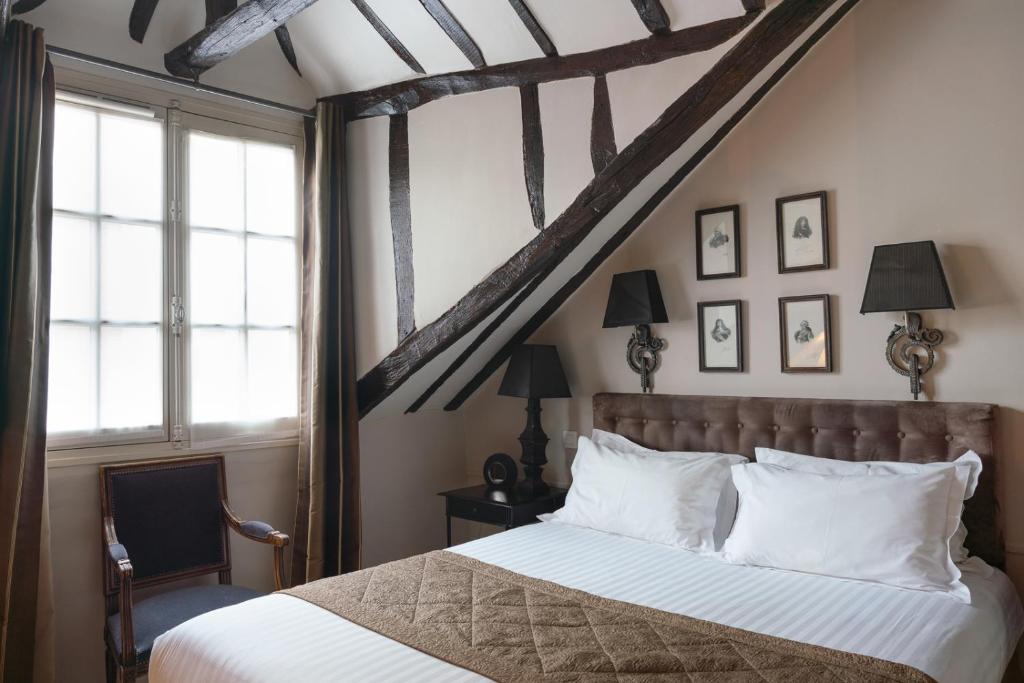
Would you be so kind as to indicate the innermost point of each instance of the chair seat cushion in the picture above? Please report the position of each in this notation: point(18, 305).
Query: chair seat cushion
point(160, 613)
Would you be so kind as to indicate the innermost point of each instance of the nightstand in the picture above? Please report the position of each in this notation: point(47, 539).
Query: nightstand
point(501, 507)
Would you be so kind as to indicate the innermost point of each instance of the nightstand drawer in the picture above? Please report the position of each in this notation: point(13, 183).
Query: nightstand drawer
point(480, 512)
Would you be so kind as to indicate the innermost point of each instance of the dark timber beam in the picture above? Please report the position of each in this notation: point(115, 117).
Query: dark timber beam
point(215, 9)
point(753, 5)
point(399, 98)
point(229, 34)
point(581, 276)
point(138, 20)
point(450, 25)
point(401, 223)
point(533, 152)
point(384, 32)
point(284, 41)
point(653, 14)
point(602, 134)
point(21, 6)
point(749, 57)
point(534, 27)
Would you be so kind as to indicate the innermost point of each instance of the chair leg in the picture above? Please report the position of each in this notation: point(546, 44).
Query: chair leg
point(127, 675)
point(111, 666)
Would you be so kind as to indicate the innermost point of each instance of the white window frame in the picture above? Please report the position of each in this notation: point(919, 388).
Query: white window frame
point(179, 114)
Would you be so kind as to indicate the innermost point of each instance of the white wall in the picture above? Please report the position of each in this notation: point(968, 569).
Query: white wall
point(908, 114)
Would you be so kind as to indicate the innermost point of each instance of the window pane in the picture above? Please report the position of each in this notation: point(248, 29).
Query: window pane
point(271, 281)
point(217, 279)
point(74, 159)
point(131, 281)
point(218, 375)
point(131, 377)
point(216, 177)
point(270, 189)
point(272, 374)
point(73, 270)
point(131, 167)
point(71, 400)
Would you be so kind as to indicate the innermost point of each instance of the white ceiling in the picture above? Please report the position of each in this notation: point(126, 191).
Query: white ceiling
point(338, 50)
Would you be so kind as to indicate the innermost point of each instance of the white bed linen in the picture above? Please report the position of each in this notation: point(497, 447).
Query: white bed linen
point(280, 638)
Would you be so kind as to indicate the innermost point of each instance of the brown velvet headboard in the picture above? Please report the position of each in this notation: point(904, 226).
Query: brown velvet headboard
point(844, 430)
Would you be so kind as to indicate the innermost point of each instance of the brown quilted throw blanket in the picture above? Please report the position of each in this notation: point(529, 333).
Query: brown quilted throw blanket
point(510, 627)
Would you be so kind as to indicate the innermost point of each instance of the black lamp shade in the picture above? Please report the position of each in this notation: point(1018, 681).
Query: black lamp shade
point(906, 277)
point(534, 371)
point(635, 299)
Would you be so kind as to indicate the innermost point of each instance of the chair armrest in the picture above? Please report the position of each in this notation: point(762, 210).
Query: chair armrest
point(118, 556)
point(262, 533)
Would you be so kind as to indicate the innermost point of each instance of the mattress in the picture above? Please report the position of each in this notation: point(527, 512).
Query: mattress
point(280, 638)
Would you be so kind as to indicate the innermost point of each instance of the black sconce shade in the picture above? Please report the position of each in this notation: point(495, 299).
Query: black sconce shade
point(534, 371)
point(635, 299)
point(906, 277)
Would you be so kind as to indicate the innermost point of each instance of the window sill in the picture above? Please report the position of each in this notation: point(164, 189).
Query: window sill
point(102, 455)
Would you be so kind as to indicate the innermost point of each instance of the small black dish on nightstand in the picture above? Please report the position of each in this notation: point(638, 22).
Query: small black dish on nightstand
point(500, 471)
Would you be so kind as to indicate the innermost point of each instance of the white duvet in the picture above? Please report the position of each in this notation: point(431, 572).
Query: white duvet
point(279, 638)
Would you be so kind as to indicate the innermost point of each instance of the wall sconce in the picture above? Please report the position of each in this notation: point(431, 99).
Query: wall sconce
point(635, 300)
point(908, 277)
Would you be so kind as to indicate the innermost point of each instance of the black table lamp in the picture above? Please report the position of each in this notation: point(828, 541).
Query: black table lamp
point(534, 372)
point(908, 277)
point(635, 300)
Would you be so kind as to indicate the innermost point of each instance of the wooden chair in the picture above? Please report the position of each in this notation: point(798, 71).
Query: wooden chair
point(165, 520)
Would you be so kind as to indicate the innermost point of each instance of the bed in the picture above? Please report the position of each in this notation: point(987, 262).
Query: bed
point(283, 638)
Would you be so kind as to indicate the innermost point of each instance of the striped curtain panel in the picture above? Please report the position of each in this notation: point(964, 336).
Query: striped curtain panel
point(26, 169)
point(327, 524)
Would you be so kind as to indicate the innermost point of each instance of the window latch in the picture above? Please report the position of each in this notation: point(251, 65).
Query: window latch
point(177, 316)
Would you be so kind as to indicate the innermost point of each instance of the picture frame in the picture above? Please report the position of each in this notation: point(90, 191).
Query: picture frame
point(717, 232)
point(720, 335)
point(805, 333)
point(801, 225)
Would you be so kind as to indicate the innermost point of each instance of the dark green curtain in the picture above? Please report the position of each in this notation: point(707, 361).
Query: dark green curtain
point(26, 169)
point(327, 518)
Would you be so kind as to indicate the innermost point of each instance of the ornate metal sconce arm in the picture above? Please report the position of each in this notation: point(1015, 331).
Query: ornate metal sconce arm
point(642, 354)
point(901, 354)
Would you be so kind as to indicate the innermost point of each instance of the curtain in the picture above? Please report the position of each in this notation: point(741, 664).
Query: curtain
point(26, 128)
point(327, 524)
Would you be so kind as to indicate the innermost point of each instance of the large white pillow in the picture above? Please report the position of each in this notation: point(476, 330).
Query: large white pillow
point(654, 496)
point(725, 512)
point(809, 463)
point(888, 529)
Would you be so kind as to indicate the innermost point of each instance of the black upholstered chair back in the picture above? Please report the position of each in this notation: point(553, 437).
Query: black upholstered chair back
point(168, 516)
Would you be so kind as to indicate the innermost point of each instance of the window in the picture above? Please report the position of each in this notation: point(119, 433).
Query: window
point(173, 311)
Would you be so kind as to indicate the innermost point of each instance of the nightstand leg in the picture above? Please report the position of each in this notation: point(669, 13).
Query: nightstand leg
point(448, 525)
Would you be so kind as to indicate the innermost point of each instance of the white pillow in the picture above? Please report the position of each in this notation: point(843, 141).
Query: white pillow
point(810, 463)
point(891, 529)
point(725, 512)
point(654, 497)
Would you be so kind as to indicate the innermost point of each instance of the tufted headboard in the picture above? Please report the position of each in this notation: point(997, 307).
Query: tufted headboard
point(844, 430)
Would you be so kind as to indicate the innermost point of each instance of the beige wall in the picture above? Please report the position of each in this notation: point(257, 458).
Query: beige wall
point(909, 115)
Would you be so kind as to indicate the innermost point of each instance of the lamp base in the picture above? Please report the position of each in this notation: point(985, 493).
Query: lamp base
point(900, 349)
point(534, 442)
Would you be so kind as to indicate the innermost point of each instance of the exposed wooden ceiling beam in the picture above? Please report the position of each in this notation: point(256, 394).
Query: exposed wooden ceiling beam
point(534, 27)
point(22, 6)
point(138, 20)
point(215, 9)
point(399, 98)
point(753, 5)
point(450, 25)
point(229, 34)
point(749, 57)
point(653, 14)
point(284, 41)
point(523, 334)
point(393, 42)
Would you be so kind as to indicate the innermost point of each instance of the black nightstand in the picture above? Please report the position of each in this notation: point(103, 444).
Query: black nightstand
point(498, 506)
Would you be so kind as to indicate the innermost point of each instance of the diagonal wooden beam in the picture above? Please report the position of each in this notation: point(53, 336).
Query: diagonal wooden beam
point(753, 5)
point(534, 27)
point(215, 9)
point(533, 152)
point(399, 98)
point(229, 34)
point(22, 6)
point(138, 20)
point(284, 41)
point(400, 203)
point(565, 291)
point(393, 42)
point(751, 55)
point(450, 25)
point(653, 14)
point(602, 133)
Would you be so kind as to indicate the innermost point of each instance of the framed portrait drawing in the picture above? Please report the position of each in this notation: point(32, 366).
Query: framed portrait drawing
point(805, 333)
point(718, 242)
point(720, 326)
point(802, 225)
